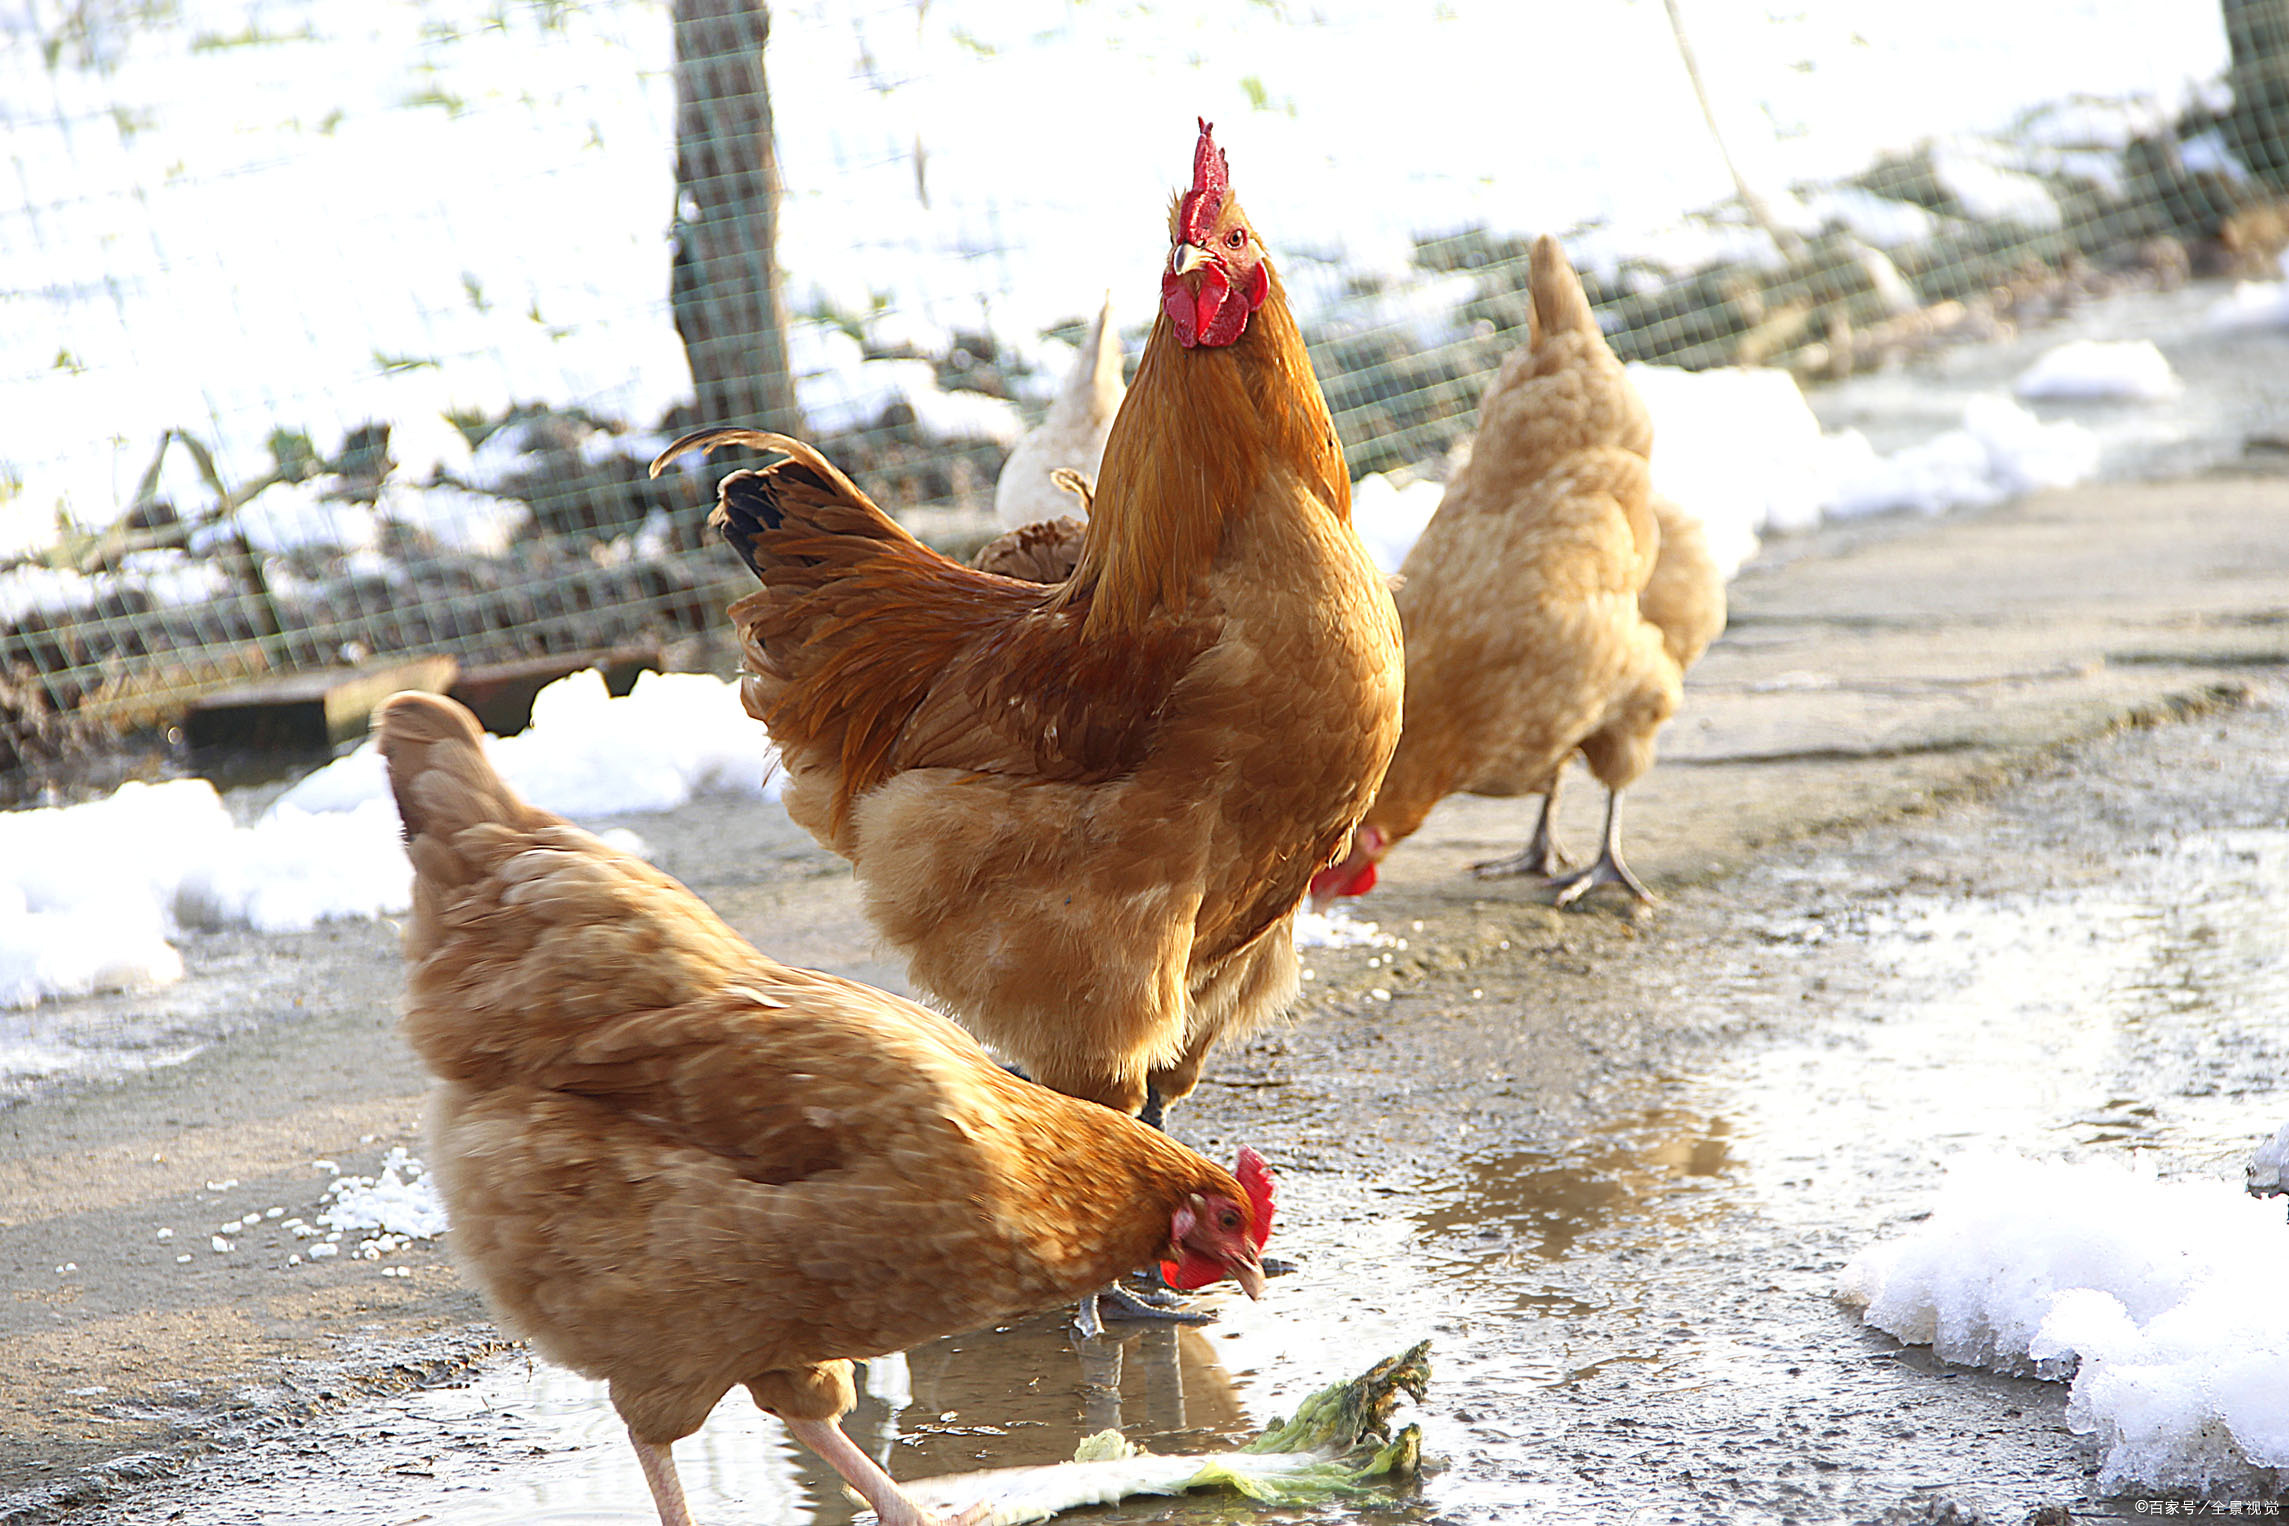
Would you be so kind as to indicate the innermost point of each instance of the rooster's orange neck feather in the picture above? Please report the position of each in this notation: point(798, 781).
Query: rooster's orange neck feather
point(1198, 436)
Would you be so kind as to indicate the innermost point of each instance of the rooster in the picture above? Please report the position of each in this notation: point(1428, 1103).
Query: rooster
point(1087, 812)
point(1551, 606)
point(678, 1166)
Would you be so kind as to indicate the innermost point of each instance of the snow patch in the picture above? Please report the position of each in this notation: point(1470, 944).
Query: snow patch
point(2132, 370)
point(2160, 1300)
point(1740, 448)
point(399, 1200)
point(93, 896)
point(1339, 929)
point(2252, 304)
point(2000, 451)
point(2269, 1167)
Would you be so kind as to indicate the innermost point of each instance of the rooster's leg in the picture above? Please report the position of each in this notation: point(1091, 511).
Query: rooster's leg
point(660, 1472)
point(1154, 1113)
point(1608, 870)
point(892, 1505)
point(1540, 857)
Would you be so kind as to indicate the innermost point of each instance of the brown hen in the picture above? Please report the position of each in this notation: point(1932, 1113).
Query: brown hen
point(680, 1166)
point(1545, 613)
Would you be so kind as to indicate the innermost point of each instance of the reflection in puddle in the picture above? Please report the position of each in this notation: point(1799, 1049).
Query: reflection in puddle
point(527, 1442)
point(1507, 1219)
point(2145, 1015)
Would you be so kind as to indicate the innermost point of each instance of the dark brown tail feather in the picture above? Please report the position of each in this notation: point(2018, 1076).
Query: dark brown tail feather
point(749, 503)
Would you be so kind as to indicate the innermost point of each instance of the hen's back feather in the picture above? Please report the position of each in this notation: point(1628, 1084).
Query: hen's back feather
point(1046, 551)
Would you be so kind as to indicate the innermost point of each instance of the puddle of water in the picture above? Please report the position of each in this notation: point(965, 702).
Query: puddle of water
point(2152, 1014)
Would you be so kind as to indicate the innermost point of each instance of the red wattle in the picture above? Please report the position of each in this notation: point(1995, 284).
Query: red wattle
point(1177, 303)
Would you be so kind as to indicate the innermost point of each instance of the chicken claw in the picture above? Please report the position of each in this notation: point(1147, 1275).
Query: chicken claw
point(1540, 857)
point(1125, 1302)
point(1609, 868)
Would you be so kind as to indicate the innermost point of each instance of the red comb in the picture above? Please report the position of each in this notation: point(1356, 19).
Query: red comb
point(1211, 182)
point(1256, 1178)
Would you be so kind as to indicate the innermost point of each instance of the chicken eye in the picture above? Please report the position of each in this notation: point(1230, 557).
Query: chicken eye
point(1228, 1219)
point(1237, 238)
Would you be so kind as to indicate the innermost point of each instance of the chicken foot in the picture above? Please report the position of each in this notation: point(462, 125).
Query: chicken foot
point(892, 1505)
point(1128, 1303)
point(1609, 868)
point(1540, 857)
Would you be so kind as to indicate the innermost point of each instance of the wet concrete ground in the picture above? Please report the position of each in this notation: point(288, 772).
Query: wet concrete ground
point(1925, 891)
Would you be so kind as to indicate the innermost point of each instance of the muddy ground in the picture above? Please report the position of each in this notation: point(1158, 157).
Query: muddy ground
point(1609, 1163)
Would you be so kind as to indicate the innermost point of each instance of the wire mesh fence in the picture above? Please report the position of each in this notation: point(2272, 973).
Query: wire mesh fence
point(340, 332)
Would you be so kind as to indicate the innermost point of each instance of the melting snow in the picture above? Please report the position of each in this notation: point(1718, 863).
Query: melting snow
point(399, 1202)
point(1390, 517)
point(1338, 929)
point(2160, 1300)
point(2130, 369)
point(2253, 304)
point(91, 896)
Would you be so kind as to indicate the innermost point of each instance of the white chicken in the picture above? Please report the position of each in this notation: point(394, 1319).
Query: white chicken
point(1071, 437)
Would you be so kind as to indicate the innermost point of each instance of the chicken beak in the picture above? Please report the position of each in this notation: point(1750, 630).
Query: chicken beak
point(1249, 1274)
point(1186, 258)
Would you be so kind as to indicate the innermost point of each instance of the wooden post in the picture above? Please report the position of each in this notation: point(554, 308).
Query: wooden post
point(725, 280)
point(2258, 33)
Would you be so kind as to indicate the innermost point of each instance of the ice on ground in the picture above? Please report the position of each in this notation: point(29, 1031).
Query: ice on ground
point(2161, 1300)
point(93, 896)
point(1339, 929)
point(398, 1200)
point(2132, 370)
